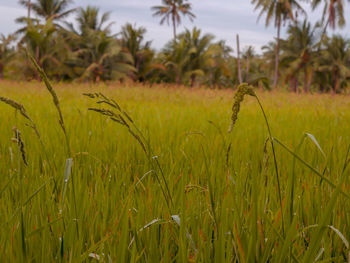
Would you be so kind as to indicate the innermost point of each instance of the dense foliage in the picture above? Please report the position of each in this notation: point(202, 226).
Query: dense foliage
point(308, 59)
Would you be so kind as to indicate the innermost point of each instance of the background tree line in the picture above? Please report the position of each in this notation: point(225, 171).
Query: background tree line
point(308, 59)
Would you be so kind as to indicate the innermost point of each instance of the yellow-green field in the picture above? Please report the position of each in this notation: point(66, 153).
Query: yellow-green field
point(199, 194)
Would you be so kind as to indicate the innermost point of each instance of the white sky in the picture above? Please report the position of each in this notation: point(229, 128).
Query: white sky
point(223, 18)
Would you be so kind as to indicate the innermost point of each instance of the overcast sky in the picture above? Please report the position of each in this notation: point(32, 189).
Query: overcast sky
point(223, 18)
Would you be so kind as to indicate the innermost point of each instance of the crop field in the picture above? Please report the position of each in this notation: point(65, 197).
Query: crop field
point(130, 173)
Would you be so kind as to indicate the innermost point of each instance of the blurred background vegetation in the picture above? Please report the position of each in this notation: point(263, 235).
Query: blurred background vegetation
point(307, 59)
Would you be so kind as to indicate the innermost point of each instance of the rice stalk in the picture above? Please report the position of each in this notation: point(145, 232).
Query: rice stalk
point(17, 106)
point(62, 125)
point(21, 152)
point(245, 89)
point(122, 118)
point(54, 98)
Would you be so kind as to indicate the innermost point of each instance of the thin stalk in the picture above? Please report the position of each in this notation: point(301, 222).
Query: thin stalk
point(23, 243)
point(275, 162)
point(166, 184)
point(61, 122)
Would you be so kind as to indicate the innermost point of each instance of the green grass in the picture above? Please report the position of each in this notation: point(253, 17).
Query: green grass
point(225, 201)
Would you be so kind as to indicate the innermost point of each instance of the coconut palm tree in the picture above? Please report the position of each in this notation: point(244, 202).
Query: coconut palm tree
point(175, 58)
point(279, 11)
point(96, 54)
point(333, 13)
point(48, 9)
point(133, 41)
point(298, 53)
point(5, 51)
point(102, 58)
point(28, 5)
point(218, 72)
point(189, 58)
point(45, 44)
point(198, 52)
point(172, 10)
point(248, 53)
point(334, 62)
point(54, 10)
point(88, 19)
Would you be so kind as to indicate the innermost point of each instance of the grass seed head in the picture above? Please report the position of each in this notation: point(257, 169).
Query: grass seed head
point(20, 144)
point(16, 106)
point(243, 89)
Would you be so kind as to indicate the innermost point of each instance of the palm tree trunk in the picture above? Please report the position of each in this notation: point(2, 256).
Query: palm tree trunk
point(29, 8)
point(309, 82)
point(174, 27)
point(178, 79)
point(293, 84)
point(275, 81)
point(193, 79)
point(248, 67)
point(1, 71)
point(324, 32)
point(306, 86)
point(336, 83)
point(239, 61)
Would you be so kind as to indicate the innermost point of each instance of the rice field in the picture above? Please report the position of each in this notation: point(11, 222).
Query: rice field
point(152, 175)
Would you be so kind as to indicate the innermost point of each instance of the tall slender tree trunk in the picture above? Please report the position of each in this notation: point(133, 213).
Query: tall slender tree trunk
point(306, 86)
point(193, 79)
point(1, 71)
point(336, 82)
point(239, 61)
point(324, 32)
point(248, 67)
point(277, 51)
point(178, 79)
point(29, 8)
point(293, 84)
point(174, 27)
point(309, 82)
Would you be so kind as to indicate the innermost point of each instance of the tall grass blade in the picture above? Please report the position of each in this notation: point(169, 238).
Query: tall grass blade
point(67, 171)
point(310, 167)
point(313, 139)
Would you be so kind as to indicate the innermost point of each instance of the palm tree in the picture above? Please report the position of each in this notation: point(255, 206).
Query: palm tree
point(333, 13)
point(175, 58)
point(218, 71)
point(102, 58)
point(279, 11)
point(89, 19)
point(189, 58)
point(54, 10)
point(199, 52)
point(248, 53)
point(46, 45)
point(28, 5)
point(172, 10)
point(298, 54)
point(334, 62)
point(5, 51)
point(48, 9)
point(96, 54)
point(143, 55)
